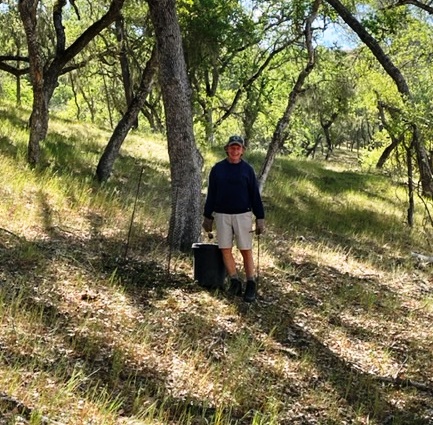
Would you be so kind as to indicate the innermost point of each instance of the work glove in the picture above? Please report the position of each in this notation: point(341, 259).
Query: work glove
point(260, 226)
point(207, 224)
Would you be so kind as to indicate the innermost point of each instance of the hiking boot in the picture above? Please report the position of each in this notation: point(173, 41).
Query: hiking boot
point(235, 288)
point(250, 291)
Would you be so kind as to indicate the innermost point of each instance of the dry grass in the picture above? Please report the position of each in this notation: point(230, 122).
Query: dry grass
point(341, 332)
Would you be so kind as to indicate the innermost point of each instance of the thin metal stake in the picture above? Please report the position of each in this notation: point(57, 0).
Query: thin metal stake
point(258, 261)
point(133, 214)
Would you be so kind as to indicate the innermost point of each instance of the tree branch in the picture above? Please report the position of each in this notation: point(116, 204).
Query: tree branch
point(88, 35)
point(423, 6)
point(13, 70)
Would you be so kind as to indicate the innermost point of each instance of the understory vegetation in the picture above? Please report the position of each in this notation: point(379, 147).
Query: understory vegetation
point(101, 324)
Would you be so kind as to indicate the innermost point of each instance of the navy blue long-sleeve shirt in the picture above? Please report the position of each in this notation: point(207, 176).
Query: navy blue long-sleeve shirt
point(233, 189)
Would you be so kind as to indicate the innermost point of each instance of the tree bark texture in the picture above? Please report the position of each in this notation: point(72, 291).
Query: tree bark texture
point(111, 151)
point(38, 122)
point(326, 125)
point(185, 159)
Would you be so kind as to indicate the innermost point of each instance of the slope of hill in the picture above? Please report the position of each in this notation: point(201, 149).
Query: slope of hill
point(99, 327)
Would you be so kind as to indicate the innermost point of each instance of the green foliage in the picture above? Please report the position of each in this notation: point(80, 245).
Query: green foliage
point(386, 22)
point(226, 43)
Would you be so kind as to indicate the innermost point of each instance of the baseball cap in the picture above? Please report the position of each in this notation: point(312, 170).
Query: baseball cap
point(235, 140)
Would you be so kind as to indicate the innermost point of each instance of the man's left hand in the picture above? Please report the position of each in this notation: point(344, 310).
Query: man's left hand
point(260, 226)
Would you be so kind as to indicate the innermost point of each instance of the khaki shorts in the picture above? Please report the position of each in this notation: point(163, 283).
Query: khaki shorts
point(237, 226)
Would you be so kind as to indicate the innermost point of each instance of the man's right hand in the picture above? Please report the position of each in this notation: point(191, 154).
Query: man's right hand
point(207, 224)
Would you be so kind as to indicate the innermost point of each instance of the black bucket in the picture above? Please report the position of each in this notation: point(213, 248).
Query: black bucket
point(209, 269)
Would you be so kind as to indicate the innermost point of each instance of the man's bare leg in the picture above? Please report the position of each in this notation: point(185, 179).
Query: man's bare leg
point(235, 288)
point(250, 290)
point(229, 261)
point(247, 255)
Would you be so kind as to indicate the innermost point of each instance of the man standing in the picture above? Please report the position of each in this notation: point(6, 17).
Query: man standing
point(233, 198)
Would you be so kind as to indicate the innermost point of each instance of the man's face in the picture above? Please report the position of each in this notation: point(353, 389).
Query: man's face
point(234, 153)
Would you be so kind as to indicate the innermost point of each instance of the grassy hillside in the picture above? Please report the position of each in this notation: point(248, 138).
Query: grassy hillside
point(341, 332)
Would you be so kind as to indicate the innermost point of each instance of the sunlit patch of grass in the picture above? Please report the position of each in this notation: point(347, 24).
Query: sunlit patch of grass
point(154, 150)
point(61, 397)
point(67, 184)
point(306, 198)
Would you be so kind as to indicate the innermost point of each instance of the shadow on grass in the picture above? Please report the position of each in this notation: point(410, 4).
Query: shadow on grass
point(143, 281)
point(8, 148)
point(24, 266)
point(14, 118)
point(364, 392)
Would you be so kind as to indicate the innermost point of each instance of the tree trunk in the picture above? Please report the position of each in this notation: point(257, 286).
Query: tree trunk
point(44, 75)
point(279, 135)
point(388, 150)
point(325, 127)
point(38, 117)
point(312, 150)
point(252, 109)
point(124, 64)
point(111, 151)
point(38, 126)
point(395, 140)
point(74, 92)
point(208, 124)
point(206, 100)
point(185, 159)
point(153, 117)
point(395, 74)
